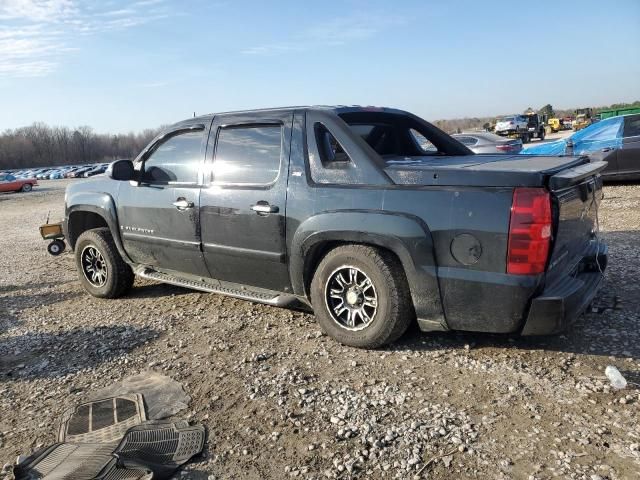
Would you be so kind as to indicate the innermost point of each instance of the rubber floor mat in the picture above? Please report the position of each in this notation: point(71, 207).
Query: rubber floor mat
point(111, 439)
point(102, 421)
point(162, 443)
point(66, 461)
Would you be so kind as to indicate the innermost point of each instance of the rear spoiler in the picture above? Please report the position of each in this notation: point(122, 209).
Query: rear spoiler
point(572, 176)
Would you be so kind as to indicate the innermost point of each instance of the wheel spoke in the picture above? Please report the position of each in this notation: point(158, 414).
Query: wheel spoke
point(364, 315)
point(353, 273)
point(350, 317)
point(370, 302)
point(358, 313)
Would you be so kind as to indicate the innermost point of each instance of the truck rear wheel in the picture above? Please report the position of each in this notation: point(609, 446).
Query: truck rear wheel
point(360, 296)
point(102, 271)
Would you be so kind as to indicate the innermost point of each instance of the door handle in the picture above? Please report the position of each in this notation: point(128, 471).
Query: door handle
point(263, 208)
point(606, 149)
point(182, 204)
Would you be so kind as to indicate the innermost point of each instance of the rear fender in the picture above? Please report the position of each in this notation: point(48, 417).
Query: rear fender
point(406, 236)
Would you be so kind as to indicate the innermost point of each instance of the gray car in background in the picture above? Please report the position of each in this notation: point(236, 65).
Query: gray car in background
point(487, 142)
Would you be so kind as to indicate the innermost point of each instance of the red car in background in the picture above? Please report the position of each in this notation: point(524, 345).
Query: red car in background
point(9, 183)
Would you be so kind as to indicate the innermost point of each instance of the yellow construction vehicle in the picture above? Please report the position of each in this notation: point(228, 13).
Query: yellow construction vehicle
point(584, 118)
point(556, 124)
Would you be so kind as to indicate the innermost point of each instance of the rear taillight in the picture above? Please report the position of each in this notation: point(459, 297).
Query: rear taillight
point(529, 231)
point(506, 148)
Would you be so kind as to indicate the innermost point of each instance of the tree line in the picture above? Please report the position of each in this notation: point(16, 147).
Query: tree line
point(40, 145)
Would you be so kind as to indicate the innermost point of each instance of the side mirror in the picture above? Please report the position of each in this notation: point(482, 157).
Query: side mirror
point(121, 170)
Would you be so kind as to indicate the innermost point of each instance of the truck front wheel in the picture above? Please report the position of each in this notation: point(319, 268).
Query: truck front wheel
point(102, 271)
point(360, 296)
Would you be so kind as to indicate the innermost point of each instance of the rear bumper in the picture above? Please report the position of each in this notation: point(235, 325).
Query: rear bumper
point(561, 303)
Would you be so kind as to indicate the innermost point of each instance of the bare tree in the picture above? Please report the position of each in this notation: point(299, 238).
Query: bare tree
point(40, 145)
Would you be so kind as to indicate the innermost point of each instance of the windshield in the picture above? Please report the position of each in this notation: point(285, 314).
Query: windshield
point(507, 119)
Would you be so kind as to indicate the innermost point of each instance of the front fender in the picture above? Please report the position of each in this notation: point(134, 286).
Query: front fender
point(408, 237)
point(99, 203)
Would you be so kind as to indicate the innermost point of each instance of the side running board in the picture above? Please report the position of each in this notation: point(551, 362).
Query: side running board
point(231, 290)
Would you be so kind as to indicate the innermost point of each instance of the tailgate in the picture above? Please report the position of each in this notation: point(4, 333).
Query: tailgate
point(576, 194)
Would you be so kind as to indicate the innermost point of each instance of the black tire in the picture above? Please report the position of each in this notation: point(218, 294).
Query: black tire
point(27, 187)
point(542, 134)
point(116, 276)
point(56, 247)
point(394, 312)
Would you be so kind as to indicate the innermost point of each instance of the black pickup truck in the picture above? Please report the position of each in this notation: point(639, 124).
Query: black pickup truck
point(371, 217)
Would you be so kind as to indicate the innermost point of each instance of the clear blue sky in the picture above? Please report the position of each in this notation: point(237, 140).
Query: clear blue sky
point(127, 65)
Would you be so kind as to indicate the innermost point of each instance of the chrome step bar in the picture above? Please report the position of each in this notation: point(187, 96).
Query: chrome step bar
point(236, 291)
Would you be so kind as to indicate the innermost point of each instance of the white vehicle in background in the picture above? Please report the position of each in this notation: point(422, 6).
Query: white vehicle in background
point(514, 126)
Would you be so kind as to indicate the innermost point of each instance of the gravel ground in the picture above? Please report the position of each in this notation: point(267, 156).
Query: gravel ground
point(281, 400)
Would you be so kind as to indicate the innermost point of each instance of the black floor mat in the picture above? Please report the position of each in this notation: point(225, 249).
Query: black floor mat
point(102, 421)
point(110, 439)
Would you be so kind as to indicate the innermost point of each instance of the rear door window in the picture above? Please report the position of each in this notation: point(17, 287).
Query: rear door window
point(248, 155)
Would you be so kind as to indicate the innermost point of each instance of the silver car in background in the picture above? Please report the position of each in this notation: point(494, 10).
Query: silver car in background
point(487, 142)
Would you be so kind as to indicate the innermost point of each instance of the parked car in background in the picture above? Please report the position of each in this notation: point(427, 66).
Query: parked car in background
point(487, 142)
point(511, 124)
point(42, 174)
point(615, 140)
point(58, 174)
point(77, 172)
point(10, 183)
point(96, 171)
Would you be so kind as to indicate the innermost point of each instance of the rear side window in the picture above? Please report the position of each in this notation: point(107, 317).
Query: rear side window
point(248, 155)
point(176, 160)
point(331, 152)
point(424, 144)
point(632, 126)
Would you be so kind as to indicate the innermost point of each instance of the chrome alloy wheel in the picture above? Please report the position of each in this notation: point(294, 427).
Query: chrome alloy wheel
point(94, 266)
point(351, 298)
